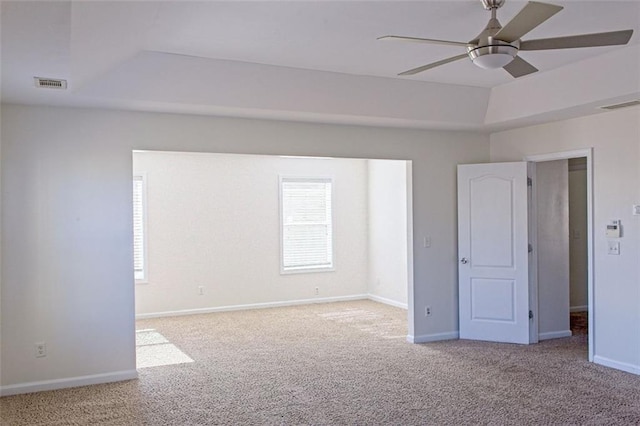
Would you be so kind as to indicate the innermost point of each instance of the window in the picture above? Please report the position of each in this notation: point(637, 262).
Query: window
point(139, 228)
point(306, 224)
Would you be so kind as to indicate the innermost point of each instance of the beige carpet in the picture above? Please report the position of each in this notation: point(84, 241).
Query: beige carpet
point(344, 364)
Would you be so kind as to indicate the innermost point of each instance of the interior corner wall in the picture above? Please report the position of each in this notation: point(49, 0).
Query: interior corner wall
point(67, 245)
point(615, 139)
point(213, 223)
point(387, 231)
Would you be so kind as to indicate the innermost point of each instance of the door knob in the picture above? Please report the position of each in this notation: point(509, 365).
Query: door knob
point(464, 261)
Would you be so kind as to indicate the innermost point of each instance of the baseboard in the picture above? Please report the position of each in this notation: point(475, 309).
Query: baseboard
point(253, 306)
point(70, 382)
point(607, 362)
point(582, 308)
point(426, 338)
point(554, 335)
point(386, 301)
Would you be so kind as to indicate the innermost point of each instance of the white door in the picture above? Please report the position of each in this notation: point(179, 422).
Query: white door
point(493, 254)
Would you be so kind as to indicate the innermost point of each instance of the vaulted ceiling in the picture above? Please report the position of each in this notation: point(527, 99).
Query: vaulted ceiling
point(312, 61)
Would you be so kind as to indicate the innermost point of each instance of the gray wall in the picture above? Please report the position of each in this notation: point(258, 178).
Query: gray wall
point(67, 276)
point(552, 187)
point(615, 139)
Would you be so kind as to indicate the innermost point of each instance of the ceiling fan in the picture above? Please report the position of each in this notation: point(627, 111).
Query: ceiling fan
point(497, 46)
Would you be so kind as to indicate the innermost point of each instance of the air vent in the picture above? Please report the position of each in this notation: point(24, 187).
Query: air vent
point(622, 105)
point(50, 83)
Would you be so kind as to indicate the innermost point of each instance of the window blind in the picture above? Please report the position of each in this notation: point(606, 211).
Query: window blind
point(307, 234)
point(138, 227)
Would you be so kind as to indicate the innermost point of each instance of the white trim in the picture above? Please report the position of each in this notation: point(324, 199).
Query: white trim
point(386, 301)
point(607, 362)
point(252, 306)
point(306, 269)
point(587, 152)
point(580, 308)
point(532, 227)
point(70, 382)
point(554, 335)
point(426, 338)
point(411, 320)
point(564, 155)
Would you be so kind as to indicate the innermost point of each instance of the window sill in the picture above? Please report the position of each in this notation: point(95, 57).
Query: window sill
point(306, 270)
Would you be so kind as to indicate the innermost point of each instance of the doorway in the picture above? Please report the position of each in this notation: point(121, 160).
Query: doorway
point(214, 236)
point(561, 218)
point(578, 271)
point(216, 231)
point(504, 270)
point(579, 235)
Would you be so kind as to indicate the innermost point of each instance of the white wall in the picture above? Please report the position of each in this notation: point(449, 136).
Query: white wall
point(578, 239)
point(615, 138)
point(388, 273)
point(67, 250)
point(213, 221)
point(66, 224)
point(552, 207)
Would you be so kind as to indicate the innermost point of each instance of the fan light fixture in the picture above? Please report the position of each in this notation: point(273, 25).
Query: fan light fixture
point(493, 61)
point(493, 56)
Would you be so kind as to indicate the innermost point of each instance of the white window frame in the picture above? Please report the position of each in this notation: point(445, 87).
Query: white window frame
point(142, 277)
point(306, 269)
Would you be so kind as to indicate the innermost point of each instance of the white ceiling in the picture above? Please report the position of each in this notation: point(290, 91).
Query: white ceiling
point(341, 36)
point(108, 50)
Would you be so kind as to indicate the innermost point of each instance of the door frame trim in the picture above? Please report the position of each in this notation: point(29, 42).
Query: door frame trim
point(566, 155)
point(532, 229)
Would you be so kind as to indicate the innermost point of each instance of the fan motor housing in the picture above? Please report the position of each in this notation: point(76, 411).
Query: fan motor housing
point(492, 4)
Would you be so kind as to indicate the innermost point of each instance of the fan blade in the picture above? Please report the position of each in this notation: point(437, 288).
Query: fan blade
point(423, 40)
point(532, 15)
point(519, 67)
point(433, 65)
point(612, 38)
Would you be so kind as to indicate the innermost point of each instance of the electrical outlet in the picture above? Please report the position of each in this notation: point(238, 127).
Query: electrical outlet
point(613, 247)
point(426, 242)
point(200, 290)
point(41, 349)
point(317, 291)
point(427, 311)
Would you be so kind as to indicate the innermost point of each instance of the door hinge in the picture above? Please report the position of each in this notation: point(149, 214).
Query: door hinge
point(529, 182)
point(530, 314)
point(530, 248)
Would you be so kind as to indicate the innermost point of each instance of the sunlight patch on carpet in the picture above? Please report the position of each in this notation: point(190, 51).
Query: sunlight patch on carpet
point(368, 322)
point(154, 350)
